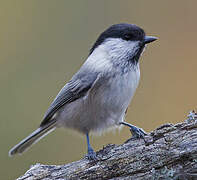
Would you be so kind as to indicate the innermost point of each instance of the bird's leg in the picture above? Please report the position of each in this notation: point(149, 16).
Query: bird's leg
point(135, 131)
point(91, 154)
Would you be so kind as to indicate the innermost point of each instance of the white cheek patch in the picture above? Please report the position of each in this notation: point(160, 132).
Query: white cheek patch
point(133, 45)
point(118, 43)
point(112, 51)
point(99, 59)
point(120, 48)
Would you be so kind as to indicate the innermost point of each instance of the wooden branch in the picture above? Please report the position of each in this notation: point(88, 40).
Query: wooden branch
point(169, 152)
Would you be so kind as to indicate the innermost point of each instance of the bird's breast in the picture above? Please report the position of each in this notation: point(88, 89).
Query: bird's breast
point(121, 89)
point(109, 101)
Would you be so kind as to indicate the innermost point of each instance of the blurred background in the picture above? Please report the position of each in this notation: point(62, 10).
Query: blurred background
point(43, 43)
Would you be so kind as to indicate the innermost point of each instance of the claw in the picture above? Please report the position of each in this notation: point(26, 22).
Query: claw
point(137, 132)
point(91, 155)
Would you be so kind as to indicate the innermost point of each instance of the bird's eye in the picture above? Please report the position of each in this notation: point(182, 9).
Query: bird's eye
point(127, 36)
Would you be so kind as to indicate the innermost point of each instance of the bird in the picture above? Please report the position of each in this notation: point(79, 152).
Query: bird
point(98, 95)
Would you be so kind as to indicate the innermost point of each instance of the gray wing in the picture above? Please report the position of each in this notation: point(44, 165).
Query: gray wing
point(77, 87)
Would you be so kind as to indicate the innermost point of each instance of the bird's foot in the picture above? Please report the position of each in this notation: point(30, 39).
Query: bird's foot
point(91, 154)
point(137, 132)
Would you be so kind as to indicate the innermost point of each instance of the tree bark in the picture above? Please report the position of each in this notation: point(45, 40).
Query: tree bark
point(168, 152)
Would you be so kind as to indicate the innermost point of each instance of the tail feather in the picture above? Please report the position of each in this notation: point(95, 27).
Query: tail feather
point(33, 138)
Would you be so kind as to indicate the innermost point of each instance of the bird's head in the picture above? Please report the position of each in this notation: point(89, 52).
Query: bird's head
point(122, 42)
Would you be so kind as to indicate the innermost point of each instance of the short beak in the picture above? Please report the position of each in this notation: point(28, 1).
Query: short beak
point(149, 39)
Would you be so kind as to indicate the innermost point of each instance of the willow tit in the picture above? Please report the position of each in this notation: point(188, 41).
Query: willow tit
point(98, 95)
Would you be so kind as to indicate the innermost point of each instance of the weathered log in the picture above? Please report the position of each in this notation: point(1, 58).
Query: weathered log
point(168, 152)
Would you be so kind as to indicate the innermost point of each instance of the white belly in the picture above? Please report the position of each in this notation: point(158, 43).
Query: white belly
point(103, 106)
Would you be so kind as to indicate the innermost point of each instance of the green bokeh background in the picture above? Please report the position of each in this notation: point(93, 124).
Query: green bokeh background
point(44, 42)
